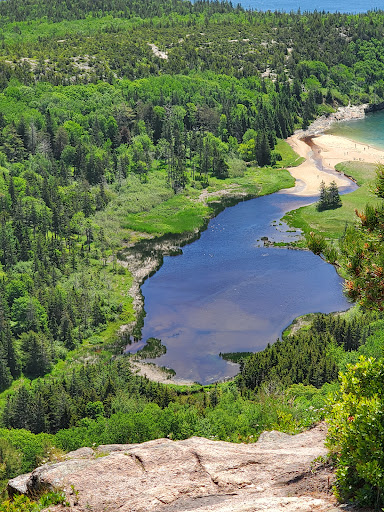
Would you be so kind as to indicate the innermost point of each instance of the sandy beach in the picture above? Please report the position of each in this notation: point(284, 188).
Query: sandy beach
point(153, 372)
point(330, 150)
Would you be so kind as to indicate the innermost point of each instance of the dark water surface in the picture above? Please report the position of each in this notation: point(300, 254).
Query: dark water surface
point(229, 293)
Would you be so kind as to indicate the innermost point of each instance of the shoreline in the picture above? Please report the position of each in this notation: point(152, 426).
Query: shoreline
point(321, 160)
point(155, 373)
point(146, 257)
point(353, 141)
point(308, 174)
point(324, 122)
point(337, 149)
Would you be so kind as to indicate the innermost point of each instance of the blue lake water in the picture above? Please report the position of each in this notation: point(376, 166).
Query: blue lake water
point(229, 293)
point(351, 6)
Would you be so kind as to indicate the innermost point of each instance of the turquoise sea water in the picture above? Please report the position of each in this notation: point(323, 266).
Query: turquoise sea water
point(369, 130)
point(353, 6)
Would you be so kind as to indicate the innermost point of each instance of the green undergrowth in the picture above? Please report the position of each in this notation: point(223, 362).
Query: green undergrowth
point(256, 181)
point(228, 417)
point(332, 223)
point(355, 436)
point(36, 30)
point(24, 504)
point(152, 207)
point(133, 198)
point(289, 157)
point(176, 215)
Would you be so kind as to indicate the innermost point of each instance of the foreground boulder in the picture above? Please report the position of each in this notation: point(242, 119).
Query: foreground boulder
point(277, 473)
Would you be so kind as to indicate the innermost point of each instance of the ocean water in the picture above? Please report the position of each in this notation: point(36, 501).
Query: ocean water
point(350, 6)
point(369, 130)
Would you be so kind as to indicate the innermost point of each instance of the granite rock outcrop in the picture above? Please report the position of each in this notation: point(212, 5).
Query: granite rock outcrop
point(276, 473)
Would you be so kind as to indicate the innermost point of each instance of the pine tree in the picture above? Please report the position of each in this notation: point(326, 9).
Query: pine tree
point(329, 197)
point(334, 200)
point(322, 203)
point(37, 354)
point(263, 150)
point(5, 373)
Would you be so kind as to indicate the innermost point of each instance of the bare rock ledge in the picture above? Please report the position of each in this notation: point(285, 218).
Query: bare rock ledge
point(274, 474)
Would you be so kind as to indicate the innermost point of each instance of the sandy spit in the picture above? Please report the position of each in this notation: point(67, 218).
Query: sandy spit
point(332, 150)
point(154, 373)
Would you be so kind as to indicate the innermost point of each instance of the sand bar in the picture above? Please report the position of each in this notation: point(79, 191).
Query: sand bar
point(332, 150)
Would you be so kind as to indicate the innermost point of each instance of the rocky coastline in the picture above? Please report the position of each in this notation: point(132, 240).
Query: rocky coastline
point(348, 113)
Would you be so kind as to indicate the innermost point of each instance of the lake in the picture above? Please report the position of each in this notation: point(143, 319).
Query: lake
point(229, 293)
point(352, 6)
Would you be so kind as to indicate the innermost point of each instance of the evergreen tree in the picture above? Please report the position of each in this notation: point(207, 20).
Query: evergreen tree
point(334, 200)
point(5, 373)
point(329, 197)
point(323, 200)
point(263, 149)
point(36, 353)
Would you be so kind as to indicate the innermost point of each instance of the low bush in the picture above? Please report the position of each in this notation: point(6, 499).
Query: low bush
point(356, 433)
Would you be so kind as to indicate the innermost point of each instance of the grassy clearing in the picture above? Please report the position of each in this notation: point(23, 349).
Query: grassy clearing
point(153, 208)
point(361, 172)
point(176, 215)
point(332, 223)
point(132, 198)
point(272, 180)
point(256, 181)
point(289, 157)
point(182, 213)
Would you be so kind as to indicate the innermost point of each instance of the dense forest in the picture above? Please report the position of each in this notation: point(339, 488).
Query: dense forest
point(114, 116)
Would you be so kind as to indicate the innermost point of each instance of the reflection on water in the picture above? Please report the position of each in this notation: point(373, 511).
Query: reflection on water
point(229, 293)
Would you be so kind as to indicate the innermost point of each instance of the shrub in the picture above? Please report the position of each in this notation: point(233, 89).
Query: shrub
point(237, 168)
point(356, 433)
point(24, 504)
